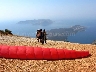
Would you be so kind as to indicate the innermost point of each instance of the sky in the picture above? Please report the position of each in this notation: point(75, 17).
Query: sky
point(47, 9)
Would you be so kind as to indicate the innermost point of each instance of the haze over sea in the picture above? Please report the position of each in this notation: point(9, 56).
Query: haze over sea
point(85, 37)
point(65, 13)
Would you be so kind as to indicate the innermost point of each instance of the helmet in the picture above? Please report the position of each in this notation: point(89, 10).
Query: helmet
point(40, 29)
point(44, 30)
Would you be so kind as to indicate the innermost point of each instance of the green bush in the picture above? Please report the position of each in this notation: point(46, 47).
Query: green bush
point(6, 32)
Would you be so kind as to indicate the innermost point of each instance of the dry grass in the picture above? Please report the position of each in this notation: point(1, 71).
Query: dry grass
point(77, 65)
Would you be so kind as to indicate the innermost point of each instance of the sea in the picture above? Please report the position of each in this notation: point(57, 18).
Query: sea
point(84, 37)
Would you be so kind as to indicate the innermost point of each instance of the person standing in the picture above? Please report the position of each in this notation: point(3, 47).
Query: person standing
point(44, 36)
point(41, 36)
point(38, 34)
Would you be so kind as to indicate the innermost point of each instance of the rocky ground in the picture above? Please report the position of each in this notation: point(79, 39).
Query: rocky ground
point(77, 65)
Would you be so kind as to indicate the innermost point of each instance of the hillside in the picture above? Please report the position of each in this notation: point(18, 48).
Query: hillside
point(77, 65)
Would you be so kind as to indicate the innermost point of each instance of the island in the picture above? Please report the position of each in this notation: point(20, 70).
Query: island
point(43, 22)
point(62, 34)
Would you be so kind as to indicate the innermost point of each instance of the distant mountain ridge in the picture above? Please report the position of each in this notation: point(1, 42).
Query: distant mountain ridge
point(37, 22)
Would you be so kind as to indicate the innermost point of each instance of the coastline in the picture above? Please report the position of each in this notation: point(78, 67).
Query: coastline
point(84, 64)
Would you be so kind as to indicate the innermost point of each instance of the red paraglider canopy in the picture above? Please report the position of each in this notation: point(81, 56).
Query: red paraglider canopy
point(38, 53)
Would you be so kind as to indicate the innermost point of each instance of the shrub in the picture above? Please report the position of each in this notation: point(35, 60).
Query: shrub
point(8, 32)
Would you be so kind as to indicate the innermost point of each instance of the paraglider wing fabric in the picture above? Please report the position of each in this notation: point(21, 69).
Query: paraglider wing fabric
point(39, 53)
